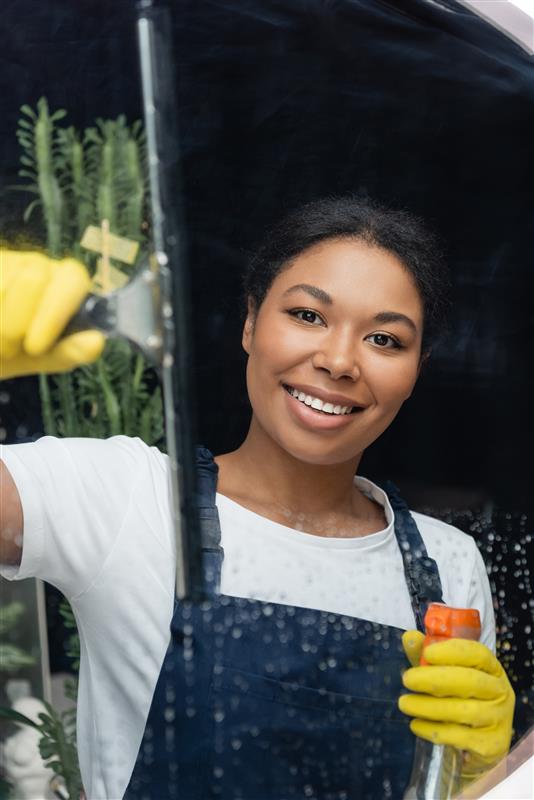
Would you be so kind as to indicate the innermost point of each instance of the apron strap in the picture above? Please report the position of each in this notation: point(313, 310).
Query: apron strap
point(210, 527)
point(207, 473)
point(421, 571)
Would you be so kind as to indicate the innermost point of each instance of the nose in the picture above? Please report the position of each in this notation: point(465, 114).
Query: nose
point(337, 354)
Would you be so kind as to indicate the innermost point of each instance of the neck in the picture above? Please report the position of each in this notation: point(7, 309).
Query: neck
point(269, 474)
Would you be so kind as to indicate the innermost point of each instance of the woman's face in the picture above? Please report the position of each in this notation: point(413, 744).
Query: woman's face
point(342, 325)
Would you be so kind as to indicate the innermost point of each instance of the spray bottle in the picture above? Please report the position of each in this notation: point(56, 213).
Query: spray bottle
point(436, 771)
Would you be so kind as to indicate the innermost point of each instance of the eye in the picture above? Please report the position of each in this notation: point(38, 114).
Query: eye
point(385, 341)
point(306, 315)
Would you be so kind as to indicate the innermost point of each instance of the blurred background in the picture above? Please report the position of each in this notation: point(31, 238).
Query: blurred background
point(420, 104)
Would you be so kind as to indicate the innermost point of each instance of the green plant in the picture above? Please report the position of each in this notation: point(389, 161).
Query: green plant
point(82, 178)
point(12, 657)
point(36, 137)
point(56, 744)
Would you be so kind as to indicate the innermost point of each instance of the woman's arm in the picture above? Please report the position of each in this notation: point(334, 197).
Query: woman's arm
point(38, 295)
point(11, 519)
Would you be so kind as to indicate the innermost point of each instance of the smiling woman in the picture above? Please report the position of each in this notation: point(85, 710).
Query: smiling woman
point(286, 683)
point(360, 340)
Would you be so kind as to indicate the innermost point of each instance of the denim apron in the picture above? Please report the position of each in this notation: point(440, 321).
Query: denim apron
point(262, 701)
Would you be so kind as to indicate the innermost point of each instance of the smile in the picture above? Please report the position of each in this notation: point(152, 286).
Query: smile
point(319, 405)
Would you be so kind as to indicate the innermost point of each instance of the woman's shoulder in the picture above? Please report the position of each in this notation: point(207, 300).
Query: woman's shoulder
point(116, 461)
point(455, 551)
point(119, 443)
point(440, 532)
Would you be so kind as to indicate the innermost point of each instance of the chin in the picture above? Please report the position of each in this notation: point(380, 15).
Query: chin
point(321, 454)
point(325, 452)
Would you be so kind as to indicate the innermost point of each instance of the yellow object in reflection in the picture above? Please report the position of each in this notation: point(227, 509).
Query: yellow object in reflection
point(120, 248)
point(462, 698)
point(38, 296)
point(115, 279)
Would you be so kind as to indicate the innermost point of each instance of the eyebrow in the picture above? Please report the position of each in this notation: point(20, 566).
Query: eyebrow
point(319, 294)
point(395, 316)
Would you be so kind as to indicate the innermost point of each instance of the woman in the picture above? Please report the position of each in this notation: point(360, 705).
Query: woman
point(286, 683)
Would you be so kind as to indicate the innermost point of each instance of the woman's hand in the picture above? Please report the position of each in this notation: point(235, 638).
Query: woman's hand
point(463, 699)
point(38, 296)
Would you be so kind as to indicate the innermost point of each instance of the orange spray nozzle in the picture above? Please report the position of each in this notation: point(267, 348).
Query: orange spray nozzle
point(443, 622)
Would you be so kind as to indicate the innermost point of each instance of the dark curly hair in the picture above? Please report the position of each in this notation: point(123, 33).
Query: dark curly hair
point(353, 217)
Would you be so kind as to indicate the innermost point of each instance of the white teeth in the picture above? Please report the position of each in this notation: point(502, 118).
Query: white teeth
point(319, 405)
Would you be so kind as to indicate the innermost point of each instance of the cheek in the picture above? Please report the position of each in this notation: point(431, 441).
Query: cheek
point(263, 365)
point(272, 354)
point(274, 350)
point(397, 383)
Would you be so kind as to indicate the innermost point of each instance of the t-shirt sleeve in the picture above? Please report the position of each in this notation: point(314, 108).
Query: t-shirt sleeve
point(75, 494)
point(480, 597)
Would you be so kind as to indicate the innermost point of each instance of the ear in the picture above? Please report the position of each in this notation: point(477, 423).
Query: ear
point(248, 328)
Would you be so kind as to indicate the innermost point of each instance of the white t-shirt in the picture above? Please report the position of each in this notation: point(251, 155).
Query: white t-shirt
point(97, 525)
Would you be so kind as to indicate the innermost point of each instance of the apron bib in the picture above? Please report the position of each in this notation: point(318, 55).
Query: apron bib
point(263, 701)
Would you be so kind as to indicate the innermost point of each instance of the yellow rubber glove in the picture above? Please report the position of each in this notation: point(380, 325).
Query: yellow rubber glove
point(38, 296)
point(464, 699)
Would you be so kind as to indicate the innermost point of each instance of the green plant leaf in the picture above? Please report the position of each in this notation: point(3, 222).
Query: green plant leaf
point(14, 716)
point(25, 142)
point(34, 204)
point(12, 658)
point(25, 109)
point(47, 406)
point(58, 744)
point(27, 188)
point(10, 615)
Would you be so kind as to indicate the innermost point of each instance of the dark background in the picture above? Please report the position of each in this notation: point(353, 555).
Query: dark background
point(421, 105)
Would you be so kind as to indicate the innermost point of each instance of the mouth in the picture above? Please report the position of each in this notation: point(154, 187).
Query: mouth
point(320, 406)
